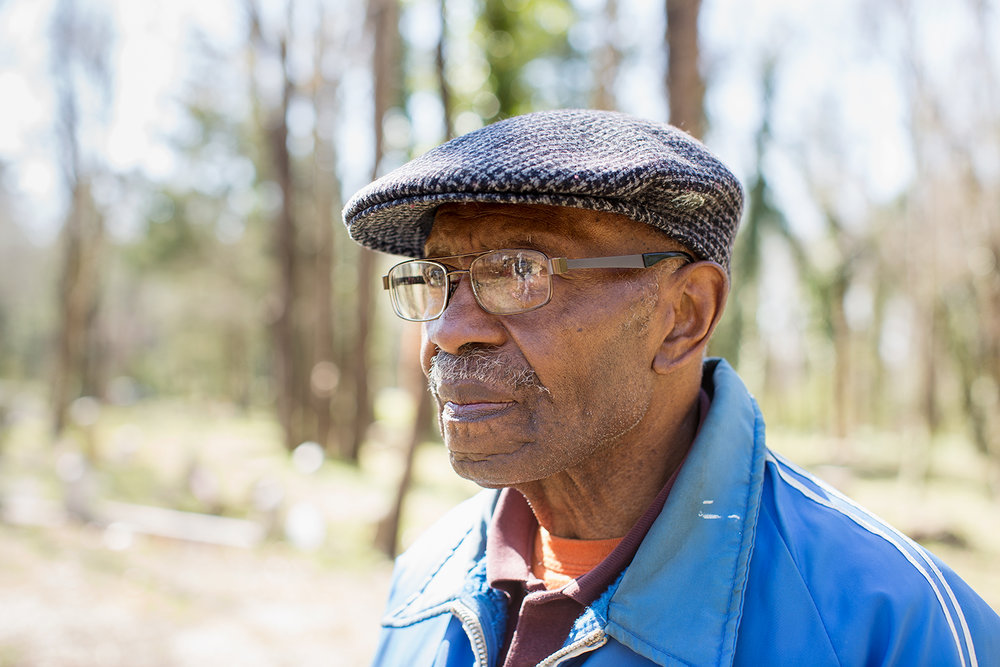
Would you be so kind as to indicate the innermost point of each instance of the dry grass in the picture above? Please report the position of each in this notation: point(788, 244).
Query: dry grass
point(77, 593)
point(69, 600)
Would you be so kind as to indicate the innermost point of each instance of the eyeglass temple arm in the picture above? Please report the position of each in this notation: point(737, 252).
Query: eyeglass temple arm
point(644, 261)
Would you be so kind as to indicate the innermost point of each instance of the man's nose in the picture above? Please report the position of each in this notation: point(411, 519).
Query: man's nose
point(463, 322)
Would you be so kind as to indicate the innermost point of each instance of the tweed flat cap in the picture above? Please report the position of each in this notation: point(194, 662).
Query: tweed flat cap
point(601, 160)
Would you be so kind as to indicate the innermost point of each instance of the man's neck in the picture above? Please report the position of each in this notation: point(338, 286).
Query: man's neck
point(604, 496)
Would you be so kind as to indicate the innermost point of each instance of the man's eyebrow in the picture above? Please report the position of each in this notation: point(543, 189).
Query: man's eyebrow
point(539, 240)
point(526, 241)
point(522, 241)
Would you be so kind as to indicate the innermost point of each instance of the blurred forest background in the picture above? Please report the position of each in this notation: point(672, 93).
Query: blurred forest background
point(209, 418)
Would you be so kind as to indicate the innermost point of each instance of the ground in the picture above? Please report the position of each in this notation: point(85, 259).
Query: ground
point(104, 593)
point(70, 600)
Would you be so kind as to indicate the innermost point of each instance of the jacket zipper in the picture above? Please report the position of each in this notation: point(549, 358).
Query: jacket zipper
point(474, 629)
point(588, 643)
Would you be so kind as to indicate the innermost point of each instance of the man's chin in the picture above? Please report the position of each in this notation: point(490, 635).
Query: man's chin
point(492, 471)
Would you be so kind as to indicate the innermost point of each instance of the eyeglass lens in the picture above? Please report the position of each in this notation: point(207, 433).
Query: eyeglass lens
point(418, 290)
point(504, 282)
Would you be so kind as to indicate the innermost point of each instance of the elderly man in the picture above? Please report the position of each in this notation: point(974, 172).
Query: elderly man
point(569, 268)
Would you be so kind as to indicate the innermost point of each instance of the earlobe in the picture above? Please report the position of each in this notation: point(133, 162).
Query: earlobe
point(697, 299)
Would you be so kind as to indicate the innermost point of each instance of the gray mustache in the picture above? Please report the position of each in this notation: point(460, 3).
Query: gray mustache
point(483, 364)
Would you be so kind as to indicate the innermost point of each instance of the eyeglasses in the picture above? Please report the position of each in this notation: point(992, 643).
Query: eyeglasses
point(504, 282)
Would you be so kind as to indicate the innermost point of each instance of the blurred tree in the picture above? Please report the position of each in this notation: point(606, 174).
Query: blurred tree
point(608, 60)
point(186, 304)
point(80, 44)
point(288, 371)
point(762, 218)
point(951, 248)
point(504, 57)
point(275, 226)
point(685, 86)
point(25, 296)
point(412, 380)
point(831, 290)
point(516, 37)
point(324, 375)
point(383, 23)
point(440, 59)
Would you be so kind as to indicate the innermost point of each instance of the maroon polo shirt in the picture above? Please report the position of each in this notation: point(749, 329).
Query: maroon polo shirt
point(539, 620)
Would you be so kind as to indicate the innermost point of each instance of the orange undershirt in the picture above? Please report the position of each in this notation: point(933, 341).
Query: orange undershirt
point(559, 560)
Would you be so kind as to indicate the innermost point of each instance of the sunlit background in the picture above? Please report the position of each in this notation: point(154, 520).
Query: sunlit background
point(212, 430)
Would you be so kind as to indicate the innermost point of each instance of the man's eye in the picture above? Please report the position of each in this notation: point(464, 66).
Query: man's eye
point(522, 268)
point(434, 277)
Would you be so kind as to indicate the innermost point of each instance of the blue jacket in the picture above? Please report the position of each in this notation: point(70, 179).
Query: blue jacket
point(751, 562)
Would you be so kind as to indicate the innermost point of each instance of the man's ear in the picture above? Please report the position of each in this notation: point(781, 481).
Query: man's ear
point(698, 297)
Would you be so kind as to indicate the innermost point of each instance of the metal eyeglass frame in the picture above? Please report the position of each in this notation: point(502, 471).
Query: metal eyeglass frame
point(556, 266)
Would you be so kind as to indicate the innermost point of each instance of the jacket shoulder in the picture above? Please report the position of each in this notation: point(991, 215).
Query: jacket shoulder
point(446, 550)
point(855, 589)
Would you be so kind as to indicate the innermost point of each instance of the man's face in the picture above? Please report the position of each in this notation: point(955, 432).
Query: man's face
point(527, 396)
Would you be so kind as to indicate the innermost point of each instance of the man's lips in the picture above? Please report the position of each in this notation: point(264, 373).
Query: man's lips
point(470, 412)
point(471, 402)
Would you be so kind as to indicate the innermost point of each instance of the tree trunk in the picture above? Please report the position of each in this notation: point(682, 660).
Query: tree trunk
point(387, 535)
point(78, 289)
point(324, 374)
point(685, 87)
point(504, 70)
point(362, 393)
point(444, 90)
point(82, 41)
point(608, 60)
point(842, 373)
point(285, 367)
point(383, 17)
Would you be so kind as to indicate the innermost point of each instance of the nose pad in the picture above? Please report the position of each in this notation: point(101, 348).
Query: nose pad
point(463, 321)
point(460, 287)
point(455, 280)
point(452, 286)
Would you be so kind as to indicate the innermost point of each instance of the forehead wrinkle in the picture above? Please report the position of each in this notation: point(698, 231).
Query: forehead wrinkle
point(482, 227)
point(556, 230)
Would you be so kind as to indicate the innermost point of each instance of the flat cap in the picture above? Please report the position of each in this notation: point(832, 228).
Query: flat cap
point(600, 160)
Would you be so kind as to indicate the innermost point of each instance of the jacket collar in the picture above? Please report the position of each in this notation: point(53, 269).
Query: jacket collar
point(698, 550)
